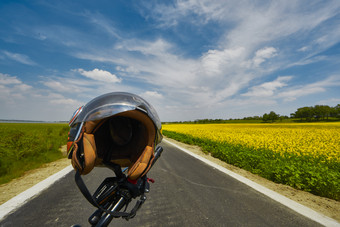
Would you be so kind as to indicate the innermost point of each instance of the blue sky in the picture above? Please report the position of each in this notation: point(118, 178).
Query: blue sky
point(189, 59)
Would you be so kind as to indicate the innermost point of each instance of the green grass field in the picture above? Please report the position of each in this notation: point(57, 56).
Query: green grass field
point(26, 146)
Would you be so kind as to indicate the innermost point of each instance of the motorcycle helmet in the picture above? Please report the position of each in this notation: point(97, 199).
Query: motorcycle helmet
point(119, 128)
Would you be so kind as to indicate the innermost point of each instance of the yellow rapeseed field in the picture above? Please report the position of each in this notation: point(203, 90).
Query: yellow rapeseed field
point(313, 139)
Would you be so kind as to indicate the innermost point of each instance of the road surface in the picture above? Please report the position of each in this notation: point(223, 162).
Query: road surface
point(187, 192)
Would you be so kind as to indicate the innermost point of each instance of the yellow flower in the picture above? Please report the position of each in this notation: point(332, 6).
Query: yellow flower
point(313, 139)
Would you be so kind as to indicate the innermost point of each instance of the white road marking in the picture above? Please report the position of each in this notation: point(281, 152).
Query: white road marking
point(13, 204)
point(297, 207)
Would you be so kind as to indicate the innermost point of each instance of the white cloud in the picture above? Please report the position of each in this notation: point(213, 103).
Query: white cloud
point(129, 69)
point(62, 87)
point(78, 87)
point(330, 81)
point(64, 101)
point(187, 80)
point(100, 75)
point(152, 95)
point(215, 62)
point(295, 92)
point(330, 102)
point(268, 89)
point(12, 87)
point(99, 20)
point(169, 15)
point(149, 64)
point(19, 58)
point(308, 60)
point(12, 90)
point(280, 89)
point(19, 100)
point(158, 47)
point(22, 87)
point(156, 99)
point(266, 52)
point(250, 24)
point(66, 85)
point(55, 98)
point(263, 54)
point(7, 79)
point(303, 49)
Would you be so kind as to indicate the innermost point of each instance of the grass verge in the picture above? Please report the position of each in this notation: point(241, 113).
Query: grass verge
point(26, 146)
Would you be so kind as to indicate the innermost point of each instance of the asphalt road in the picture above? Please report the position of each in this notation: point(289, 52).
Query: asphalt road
point(187, 192)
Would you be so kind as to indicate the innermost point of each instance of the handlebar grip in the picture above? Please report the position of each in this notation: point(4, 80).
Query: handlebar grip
point(95, 217)
point(105, 220)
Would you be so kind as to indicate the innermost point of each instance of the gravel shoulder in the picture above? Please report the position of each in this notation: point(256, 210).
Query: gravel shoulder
point(328, 207)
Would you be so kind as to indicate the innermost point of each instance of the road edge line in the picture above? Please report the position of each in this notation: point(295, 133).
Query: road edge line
point(297, 207)
point(19, 200)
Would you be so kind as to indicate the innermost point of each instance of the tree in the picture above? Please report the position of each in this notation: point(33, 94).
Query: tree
point(335, 111)
point(265, 117)
point(272, 116)
point(321, 112)
point(281, 117)
point(304, 112)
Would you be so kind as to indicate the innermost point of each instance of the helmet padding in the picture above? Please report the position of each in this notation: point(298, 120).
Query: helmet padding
point(126, 139)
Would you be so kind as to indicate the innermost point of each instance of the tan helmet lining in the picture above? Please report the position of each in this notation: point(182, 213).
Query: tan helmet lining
point(136, 155)
point(144, 135)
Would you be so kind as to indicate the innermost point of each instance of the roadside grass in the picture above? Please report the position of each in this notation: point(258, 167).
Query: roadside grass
point(26, 146)
point(319, 176)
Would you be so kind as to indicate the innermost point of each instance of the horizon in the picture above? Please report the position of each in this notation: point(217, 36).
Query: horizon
point(247, 118)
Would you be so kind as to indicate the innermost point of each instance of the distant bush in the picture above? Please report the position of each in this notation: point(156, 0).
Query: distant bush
point(25, 146)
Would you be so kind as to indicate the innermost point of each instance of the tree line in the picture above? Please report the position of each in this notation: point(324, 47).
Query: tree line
point(307, 113)
point(317, 112)
point(312, 113)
